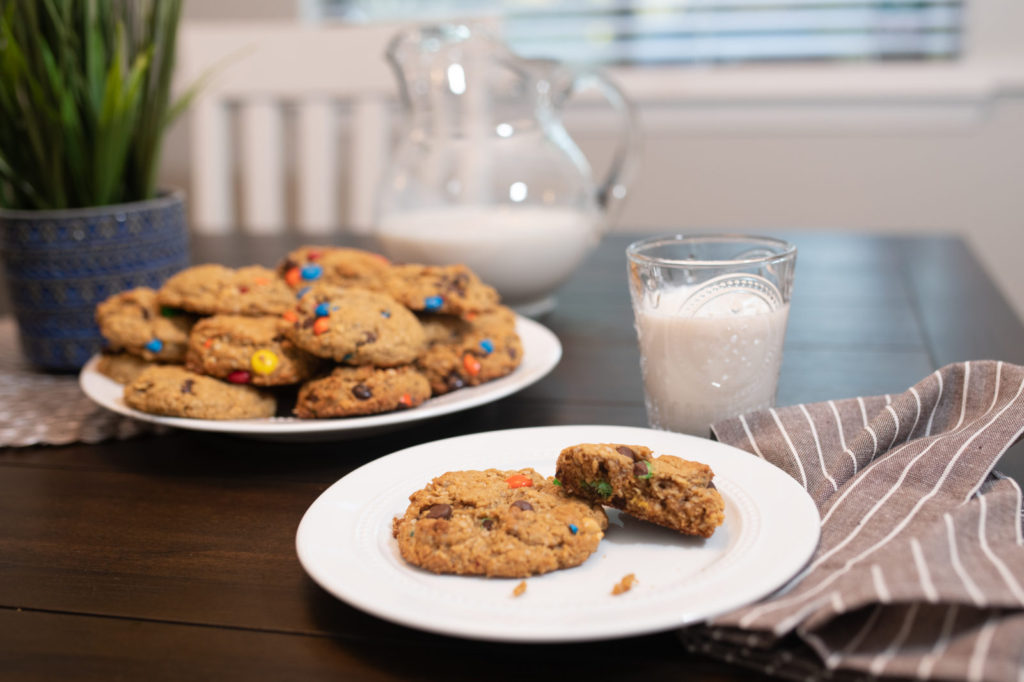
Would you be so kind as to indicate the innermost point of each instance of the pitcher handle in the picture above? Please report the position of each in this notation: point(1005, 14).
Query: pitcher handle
point(614, 187)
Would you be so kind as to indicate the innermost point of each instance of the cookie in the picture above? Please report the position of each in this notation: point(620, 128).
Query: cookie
point(176, 392)
point(248, 350)
point(134, 321)
point(355, 326)
point(122, 367)
point(473, 358)
point(213, 289)
point(350, 391)
point(451, 289)
point(336, 265)
point(510, 524)
point(666, 490)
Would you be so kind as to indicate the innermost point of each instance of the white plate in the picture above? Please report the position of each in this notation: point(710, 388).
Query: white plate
point(771, 529)
point(541, 353)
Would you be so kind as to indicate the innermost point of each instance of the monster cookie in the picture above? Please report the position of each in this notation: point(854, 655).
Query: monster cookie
point(334, 265)
point(350, 391)
point(122, 367)
point(248, 350)
point(211, 289)
point(665, 490)
point(177, 392)
point(471, 359)
point(355, 326)
point(133, 320)
point(452, 289)
point(509, 524)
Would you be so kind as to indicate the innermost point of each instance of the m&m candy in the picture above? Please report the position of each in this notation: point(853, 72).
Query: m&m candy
point(311, 271)
point(155, 346)
point(471, 364)
point(433, 303)
point(264, 361)
point(323, 309)
point(239, 376)
point(519, 481)
point(321, 325)
point(487, 345)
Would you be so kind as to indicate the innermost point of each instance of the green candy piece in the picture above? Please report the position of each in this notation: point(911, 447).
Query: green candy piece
point(168, 311)
point(649, 467)
point(602, 488)
point(556, 481)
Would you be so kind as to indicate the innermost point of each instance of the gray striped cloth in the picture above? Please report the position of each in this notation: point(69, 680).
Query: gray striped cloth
point(920, 569)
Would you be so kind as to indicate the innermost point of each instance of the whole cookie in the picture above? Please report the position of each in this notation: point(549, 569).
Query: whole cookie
point(334, 265)
point(473, 358)
point(452, 289)
point(176, 392)
point(134, 320)
point(666, 490)
point(122, 367)
point(350, 391)
point(214, 289)
point(510, 524)
point(248, 350)
point(355, 326)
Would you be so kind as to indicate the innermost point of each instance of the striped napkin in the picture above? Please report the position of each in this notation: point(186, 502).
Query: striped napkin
point(920, 568)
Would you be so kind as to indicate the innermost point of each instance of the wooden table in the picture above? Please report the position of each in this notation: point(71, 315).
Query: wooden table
point(173, 557)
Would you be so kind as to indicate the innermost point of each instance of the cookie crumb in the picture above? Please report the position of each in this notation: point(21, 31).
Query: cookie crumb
point(624, 585)
point(520, 589)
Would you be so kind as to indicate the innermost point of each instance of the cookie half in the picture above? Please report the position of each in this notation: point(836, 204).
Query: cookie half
point(496, 523)
point(666, 490)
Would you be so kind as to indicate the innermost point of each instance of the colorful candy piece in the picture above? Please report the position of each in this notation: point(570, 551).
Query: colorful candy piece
point(433, 303)
point(239, 376)
point(155, 346)
point(311, 271)
point(471, 364)
point(385, 314)
point(323, 309)
point(573, 528)
point(290, 315)
point(264, 361)
point(321, 325)
point(302, 292)
point(168, 311)
point(293, 276)
point(405, 400)
point(519, 481)
point(487, 345)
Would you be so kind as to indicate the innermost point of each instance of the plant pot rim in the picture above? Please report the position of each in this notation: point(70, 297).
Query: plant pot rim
point(163, 199)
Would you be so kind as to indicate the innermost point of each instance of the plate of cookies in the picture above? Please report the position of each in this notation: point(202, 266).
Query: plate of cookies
point(334, 342)
point(559, 533)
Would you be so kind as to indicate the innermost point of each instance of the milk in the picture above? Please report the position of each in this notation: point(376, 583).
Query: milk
point(719, 362)
point(524, 252)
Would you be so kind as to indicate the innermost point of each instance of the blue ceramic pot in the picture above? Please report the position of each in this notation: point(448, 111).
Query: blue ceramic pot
point(60, 264)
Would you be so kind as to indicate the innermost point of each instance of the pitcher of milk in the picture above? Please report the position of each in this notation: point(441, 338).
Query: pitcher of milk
point(485, 174)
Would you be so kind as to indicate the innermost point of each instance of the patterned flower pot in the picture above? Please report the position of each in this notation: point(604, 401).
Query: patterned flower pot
point(60, 264)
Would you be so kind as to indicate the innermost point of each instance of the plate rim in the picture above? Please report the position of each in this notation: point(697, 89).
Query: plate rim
point(463, 399)
point(775, 577)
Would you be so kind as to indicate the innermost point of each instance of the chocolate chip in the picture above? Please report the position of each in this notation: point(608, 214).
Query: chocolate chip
point(711, 485)
point(454, 381)
point(512, 353)
point(623, 450)
point(145, 313)
point(289, 264)
point(488, 524)
point(186, 386)
point(640, 468)
point(439, 511)
point(308, 322)
point(523, 504)
point(278, 338)
point(368, 337)
point(362, 392)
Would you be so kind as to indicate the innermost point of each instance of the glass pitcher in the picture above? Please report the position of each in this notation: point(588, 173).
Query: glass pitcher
point(484, 172)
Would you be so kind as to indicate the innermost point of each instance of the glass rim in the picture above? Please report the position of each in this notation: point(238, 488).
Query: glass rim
point(635, 251)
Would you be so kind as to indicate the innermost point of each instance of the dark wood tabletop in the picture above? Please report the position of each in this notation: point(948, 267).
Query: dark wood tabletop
point(173, 556)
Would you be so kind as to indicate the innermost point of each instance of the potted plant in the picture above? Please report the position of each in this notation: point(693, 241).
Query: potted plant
point(85, 100)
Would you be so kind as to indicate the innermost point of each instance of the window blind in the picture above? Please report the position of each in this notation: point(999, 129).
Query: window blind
point(614, 32)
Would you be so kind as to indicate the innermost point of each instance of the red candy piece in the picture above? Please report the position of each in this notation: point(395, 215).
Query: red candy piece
point(313, 255)
point(293, 276)
point(405, 400)
point(243, 289)
point(471, 364)
point(519, 481)
point(208, 342)
point(239, 376)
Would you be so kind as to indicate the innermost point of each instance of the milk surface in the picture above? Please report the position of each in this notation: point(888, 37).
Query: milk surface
point(718, 363)
point(524, 252)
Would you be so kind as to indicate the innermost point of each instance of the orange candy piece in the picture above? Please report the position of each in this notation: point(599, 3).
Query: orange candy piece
point(293, 276)
point(471, 364)
point(290, 315)
point(405, 400)
point(519, 481)
point(321, 325)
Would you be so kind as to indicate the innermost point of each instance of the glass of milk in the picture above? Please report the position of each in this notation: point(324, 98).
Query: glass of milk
point(710, 313)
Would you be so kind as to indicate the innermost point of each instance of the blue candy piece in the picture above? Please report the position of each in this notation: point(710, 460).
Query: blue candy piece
point(323, 309)
point(385, 313)
point(311, 271)
point(573, 528)
point(487, 345)
point(433, 302)
point(302, 292)
point(156, 345)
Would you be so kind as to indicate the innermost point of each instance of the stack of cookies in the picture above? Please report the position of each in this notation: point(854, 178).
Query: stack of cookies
point(331, 332)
